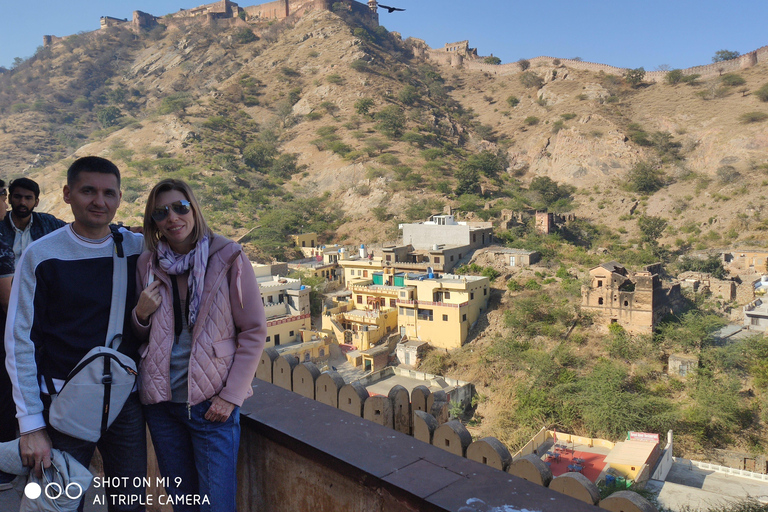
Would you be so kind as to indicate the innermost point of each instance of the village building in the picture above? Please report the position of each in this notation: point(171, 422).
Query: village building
point(754, 261)
point(756, 315)
point(286, 302)
point(703, 282)
point(635, 300)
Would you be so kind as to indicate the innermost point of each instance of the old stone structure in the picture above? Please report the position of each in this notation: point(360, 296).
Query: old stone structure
point(703, 282)
point(635, 300)
point(444, 56)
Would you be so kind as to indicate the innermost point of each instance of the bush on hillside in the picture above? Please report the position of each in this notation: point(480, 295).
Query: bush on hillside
point(673, 77)
point(531, 80)
point(753, 117)
point(762, 93)
point(732, 79)
point(645, 178)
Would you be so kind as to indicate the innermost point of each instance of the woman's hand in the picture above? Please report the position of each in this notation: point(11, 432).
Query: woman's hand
point(219, 410)
point(149, 301)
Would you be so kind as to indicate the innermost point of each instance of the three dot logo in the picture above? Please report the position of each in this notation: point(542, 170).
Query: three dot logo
point(53, 490)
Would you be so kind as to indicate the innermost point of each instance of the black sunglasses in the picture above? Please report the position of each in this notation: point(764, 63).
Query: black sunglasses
point(179, 208)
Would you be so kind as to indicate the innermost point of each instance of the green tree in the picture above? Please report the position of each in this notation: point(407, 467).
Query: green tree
point(408, 95)
point(524, 64)
point(762, 93)
point(109, 116)
point(635, 76)
point(513, 101)
point(531, 80)
point(467, 179)
point(732, 79)
point(550, 191)
point(259, 156)
point(245, 36)
point(722, 55)
point(391, 121)
point(492, 60)
point(674, 76)
point(487, 163)
point(651, 227)
point(363, 106)
point(645, 178)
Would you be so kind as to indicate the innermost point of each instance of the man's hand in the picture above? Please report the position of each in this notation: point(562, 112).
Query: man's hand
point(35, 450)
point(149, 301)
point(219, 410)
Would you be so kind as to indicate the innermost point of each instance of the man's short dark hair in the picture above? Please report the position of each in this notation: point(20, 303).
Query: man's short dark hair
point(26, 184)
point(91, 164)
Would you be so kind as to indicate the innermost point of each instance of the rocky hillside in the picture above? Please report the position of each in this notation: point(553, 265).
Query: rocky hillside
point(324, 123)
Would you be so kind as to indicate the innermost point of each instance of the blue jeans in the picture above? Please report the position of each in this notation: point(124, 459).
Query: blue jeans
point(123, 449)
point(199, 457)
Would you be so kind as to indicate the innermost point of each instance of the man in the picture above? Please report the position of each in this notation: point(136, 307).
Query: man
point(24, 225)
point(7, 410)
point(59, 310)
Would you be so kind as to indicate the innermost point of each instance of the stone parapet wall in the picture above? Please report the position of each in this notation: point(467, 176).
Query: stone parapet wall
point(443, 57)
point(421, 414)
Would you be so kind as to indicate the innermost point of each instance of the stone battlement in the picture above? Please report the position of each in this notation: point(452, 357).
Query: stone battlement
point(447, 56)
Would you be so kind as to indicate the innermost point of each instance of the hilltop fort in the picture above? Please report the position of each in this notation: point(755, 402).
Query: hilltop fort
point(457, 54)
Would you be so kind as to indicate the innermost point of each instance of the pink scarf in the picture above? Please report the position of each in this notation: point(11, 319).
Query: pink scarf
point(196, 261)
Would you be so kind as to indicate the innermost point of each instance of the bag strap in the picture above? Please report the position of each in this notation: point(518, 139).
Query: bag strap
point(119, 290)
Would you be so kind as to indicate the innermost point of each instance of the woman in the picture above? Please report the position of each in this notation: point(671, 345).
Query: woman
point(203, 321)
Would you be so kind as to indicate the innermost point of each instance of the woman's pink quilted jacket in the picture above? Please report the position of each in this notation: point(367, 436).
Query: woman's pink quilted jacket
point(227, 339)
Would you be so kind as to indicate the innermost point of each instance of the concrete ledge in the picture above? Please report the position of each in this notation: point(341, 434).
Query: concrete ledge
point(298, 454)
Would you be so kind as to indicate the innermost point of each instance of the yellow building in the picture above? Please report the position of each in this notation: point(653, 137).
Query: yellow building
point(360, 266)
point(748, 260)
point(286, 303)
point(304, 241)
point(441, 309)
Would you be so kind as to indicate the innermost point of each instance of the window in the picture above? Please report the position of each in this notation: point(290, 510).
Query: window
point(269, 339)
point(408, 312)
point(445, 318)
point(365, 273)
point(292, 333)
point(464, 317)
point(472, 296)
point(389, 257)
point(451, 257)
point(401, 310)
point(600, 300)
point(437, 259)
point(269, 299)
point(425, 314)
point(626, 303)
point(392, 303)
point(277, 339)
point(447, 295)
point(359, 299)
point(599, 283)
point(755, 321)
point(485, 291)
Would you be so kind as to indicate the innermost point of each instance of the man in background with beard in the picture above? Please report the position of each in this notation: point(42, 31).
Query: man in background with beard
point(23, 225)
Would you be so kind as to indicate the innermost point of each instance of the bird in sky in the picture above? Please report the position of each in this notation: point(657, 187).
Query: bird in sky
point(390, 9)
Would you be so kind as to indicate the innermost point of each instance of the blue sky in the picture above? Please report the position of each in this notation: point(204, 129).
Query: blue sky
point(648, 33)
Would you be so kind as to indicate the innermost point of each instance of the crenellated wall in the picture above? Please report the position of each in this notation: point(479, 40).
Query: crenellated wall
point(443, 56)
point(424, 416)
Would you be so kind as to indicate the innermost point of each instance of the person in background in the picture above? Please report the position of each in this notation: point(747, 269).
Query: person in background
point(205, 327)
point(7, 409)
point(23, 224)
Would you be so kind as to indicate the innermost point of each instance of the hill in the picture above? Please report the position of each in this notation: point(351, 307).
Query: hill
point(327, 123)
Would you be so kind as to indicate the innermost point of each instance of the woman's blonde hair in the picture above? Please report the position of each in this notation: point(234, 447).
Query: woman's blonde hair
point(152, 233)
